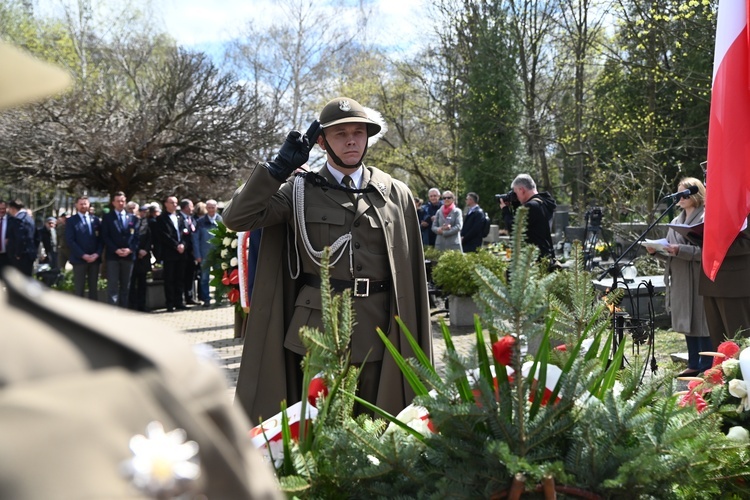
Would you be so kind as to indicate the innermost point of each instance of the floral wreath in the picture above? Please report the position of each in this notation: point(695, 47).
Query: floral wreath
point(228, 261)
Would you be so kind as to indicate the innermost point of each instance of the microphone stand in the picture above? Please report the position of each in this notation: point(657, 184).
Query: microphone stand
point(614, 270)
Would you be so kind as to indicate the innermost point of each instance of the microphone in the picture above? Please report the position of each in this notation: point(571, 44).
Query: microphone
point(683, 194)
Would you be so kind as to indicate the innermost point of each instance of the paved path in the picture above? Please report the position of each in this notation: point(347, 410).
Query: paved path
point(214, 326)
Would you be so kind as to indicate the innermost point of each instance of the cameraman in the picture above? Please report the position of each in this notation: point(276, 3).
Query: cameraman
point(541, 208)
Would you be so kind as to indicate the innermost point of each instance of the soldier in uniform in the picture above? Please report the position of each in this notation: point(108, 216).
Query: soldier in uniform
point(93, 406)
point(369, 221)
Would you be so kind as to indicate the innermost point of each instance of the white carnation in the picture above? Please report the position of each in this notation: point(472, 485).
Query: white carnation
point(224, 253)
point(227, 241)
point(233, 262)
point(234, 243)
point(224, 266)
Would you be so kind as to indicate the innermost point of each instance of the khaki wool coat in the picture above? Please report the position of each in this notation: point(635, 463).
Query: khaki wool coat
point(681, 276)
point(727, 298)
point(385, 218)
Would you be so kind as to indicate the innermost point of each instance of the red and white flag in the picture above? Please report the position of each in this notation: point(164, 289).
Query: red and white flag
point(728, 175)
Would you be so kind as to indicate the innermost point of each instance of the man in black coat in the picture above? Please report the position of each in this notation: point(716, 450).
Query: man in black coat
point(21, 235)
point(142, 265)
point(429, 210)
point(48, 237)
point(471, 231)
point(171, 232)
point(541, 209)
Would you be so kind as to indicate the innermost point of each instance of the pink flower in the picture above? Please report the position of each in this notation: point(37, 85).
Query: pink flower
point(502, 350)
point(694, 399)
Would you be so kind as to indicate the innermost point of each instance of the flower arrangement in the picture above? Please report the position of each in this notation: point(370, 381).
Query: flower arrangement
point(224, 260)
point(573, 422)
point(723, 389)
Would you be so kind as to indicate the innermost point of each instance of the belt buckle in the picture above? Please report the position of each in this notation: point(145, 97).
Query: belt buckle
point(365, 282)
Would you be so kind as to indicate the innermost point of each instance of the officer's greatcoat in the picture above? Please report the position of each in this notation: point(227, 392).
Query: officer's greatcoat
point(386, 244)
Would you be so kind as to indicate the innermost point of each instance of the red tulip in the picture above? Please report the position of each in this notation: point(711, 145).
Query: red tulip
point(502, 350)
point(233, 295)
point(316, 387)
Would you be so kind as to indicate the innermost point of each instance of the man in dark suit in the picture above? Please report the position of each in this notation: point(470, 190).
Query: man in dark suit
point(121, 244)
point(48, 237)
point(202, 246)
point(171, 232)
point(21, 235)
point(84, 239)
point(3, 232)
point(471, 232)
point(142, 265)
point(186, 209)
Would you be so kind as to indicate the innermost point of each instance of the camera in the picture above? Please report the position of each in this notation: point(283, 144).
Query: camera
point(594, 217)
point(509, 198)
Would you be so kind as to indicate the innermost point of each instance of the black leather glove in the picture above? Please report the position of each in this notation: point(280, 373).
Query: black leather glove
point(294, 152)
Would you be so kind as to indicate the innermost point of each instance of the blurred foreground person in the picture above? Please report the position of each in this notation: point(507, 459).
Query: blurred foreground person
point(96, 402)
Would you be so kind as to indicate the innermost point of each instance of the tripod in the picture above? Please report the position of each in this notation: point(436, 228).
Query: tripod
point(591, 232)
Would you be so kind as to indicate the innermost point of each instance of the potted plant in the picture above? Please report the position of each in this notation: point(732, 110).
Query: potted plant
point(454, 276)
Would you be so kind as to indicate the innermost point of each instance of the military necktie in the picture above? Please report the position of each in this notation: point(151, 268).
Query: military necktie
point(349, 182)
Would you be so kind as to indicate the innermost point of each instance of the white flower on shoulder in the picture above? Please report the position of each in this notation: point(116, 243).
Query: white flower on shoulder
point(163, 463)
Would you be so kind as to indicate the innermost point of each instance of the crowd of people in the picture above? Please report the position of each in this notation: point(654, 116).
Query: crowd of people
point(128, 240)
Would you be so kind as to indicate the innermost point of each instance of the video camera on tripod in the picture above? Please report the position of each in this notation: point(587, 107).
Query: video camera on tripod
point(594, 218)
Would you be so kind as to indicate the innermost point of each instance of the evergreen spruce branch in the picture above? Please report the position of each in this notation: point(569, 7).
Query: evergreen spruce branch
point(387, 416)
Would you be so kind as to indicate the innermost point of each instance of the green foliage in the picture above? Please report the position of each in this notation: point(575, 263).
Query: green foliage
point(454, 272)
point(597, 431)
point(578, 311)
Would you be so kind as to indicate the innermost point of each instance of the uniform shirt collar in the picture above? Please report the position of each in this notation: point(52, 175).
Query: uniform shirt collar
point(356, 175)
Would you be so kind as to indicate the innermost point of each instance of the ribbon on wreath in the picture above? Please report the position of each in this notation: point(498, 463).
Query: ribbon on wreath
point(243, 238)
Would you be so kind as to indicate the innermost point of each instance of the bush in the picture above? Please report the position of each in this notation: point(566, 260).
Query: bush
point(454, 273)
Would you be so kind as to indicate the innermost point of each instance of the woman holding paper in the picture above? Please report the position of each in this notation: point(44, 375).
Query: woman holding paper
point(681, 276)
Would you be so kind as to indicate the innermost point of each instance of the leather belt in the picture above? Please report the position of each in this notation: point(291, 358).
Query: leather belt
point(360, 287)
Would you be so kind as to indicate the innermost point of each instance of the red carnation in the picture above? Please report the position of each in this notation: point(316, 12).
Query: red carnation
point(317, 386)
point(502, 350)
point(714, 376)
point(233, 295)
point(729, 349)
